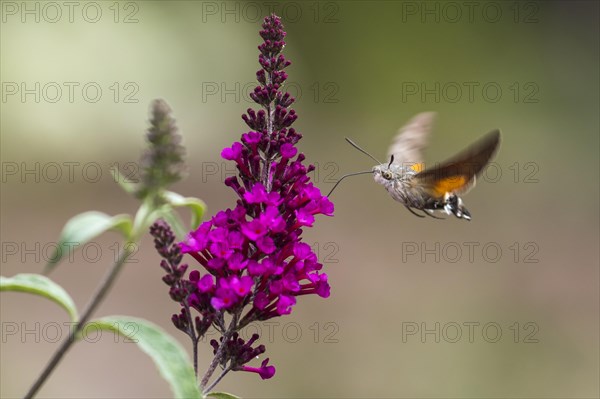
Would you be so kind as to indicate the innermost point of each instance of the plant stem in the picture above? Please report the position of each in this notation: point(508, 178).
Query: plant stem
point(196, 358)
point(96, 299)
point(219, 378)
point(192, 334)
point(219, 355)
point(247, 319)
point(266, 172)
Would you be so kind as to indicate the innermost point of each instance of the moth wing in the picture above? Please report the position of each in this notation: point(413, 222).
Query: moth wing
point(459, 173)
point(407, 146)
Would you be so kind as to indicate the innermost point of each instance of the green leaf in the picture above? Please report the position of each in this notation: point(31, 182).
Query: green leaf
point(170, 216)
point(169, 357)
point(196, 205)
point(221, 395)
point(143, 218)
point(125, 183)
point(82, 228)
point(40, 285)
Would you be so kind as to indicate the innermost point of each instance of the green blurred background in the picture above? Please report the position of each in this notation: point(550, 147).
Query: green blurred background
point(360, 69)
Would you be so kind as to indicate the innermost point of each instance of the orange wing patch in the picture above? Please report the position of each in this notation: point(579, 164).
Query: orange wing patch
point(449, 184)
point(418, 167)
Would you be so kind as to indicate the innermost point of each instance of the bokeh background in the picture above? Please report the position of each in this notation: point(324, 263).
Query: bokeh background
point(360, 69)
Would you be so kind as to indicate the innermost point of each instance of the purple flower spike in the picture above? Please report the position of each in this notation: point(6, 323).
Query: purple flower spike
point(251, 260)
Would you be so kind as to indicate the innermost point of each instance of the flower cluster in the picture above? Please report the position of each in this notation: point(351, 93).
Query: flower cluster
point(182, 290)
point(253, 253)
point(254, 263)
point(238, 352)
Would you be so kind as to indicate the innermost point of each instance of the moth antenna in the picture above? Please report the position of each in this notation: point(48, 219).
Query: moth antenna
point(353, 144)
point(348, 175)
point(391, 161)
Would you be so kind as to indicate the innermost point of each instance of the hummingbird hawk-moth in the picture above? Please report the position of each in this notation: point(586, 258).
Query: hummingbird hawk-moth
point(438, 188)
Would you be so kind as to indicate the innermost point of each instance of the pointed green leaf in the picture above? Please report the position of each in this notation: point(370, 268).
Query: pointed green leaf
point(82, 228)
point(170, 358)
point(221, 395)
point(126, 184)
point(172, 218)
point(196, 205)
point(40, 285)
point(143, 218)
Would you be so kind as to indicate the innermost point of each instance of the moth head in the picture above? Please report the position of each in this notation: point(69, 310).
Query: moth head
point(383, 174)
point(385, 171)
